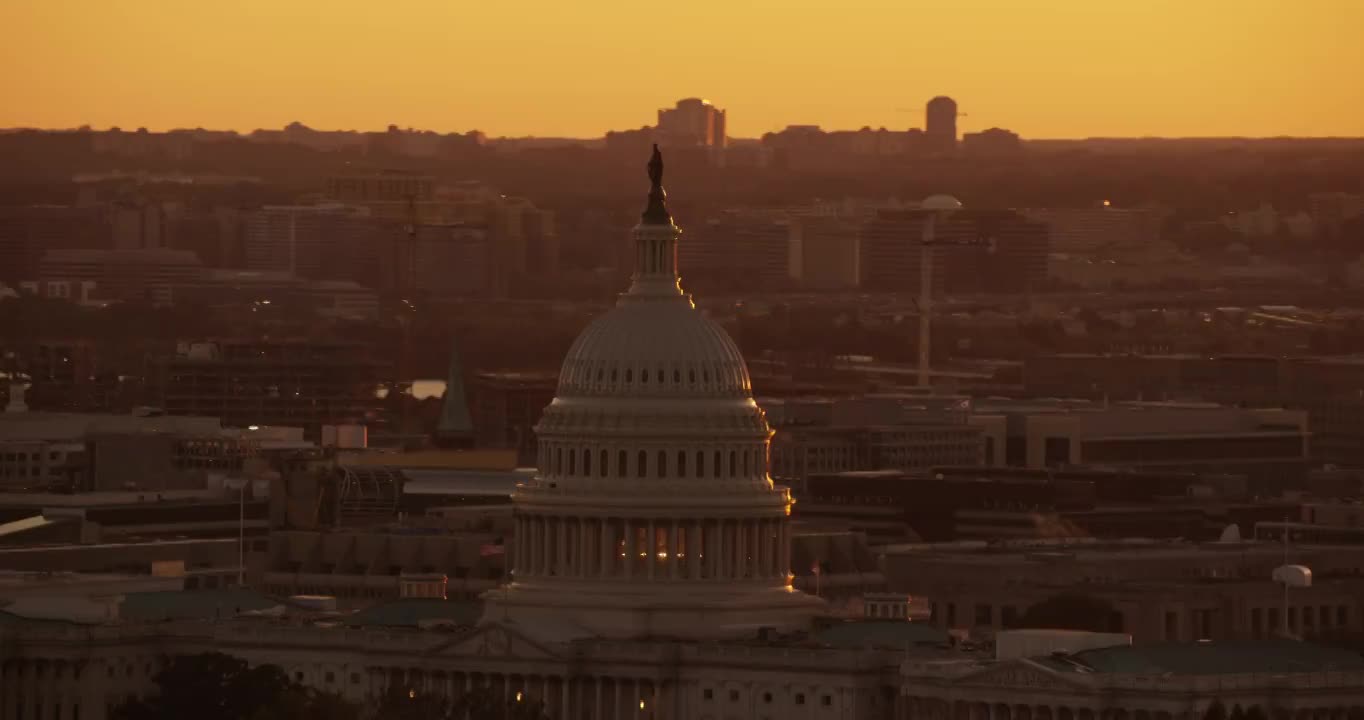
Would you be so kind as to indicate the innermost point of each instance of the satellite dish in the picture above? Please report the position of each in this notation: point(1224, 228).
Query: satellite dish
point(1230, 534)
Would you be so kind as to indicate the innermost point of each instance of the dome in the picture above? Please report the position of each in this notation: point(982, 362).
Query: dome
point(940, 202)
point(654, 349)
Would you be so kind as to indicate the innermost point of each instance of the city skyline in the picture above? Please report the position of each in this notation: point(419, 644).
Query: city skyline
point(1161, 69)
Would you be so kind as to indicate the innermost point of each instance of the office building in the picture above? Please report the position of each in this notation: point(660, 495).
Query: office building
point(146, 276)
point(978, 251)
point(940, 125)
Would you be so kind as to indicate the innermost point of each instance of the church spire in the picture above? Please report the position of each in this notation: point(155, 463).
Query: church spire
point(656, 212)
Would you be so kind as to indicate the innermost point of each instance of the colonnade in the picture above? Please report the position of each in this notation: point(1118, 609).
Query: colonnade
point(594, 697)
point(652, 548)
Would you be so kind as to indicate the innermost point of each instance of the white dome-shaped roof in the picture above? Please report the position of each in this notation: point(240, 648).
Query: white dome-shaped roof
point(654, 348)
point(940, 202)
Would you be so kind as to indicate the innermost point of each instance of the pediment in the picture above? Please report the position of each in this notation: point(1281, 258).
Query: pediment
point(495, 640)
point(1021, 674)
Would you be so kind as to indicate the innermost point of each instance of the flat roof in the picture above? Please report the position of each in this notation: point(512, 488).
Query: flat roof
point(1209, 658)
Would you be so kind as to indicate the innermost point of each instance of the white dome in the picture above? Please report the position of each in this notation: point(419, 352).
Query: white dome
point(940, 202)
point(654, 349)
point(651, 511)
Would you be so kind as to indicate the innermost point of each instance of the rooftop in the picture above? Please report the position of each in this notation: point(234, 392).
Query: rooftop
point(1209, 658)
point(417, 612)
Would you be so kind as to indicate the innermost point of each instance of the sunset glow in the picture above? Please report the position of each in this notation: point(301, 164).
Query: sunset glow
point(1046, 68)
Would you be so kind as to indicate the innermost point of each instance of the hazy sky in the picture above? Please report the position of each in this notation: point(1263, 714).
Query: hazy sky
point(1044, 68)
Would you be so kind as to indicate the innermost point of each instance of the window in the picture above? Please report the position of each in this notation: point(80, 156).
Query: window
point(677, 377)
point(603, 463)
point(629, 375)
point(984, 615)
point(642, 470)
point(644, 375)
point(734, 696)
point(700, 464)
point(662, 469)
point(558, 461)
point(660, 376)
point(800, 698)
point(767, 697)
point(826, 700)
point(708, 694)
point(748, 456)
point(298, 676)
point(621, 460)
point(331, 677)
point(587, 462)
point(681, 463)
point(572, 461)
point(355, 678)
point(715, 468)
point(733, 463)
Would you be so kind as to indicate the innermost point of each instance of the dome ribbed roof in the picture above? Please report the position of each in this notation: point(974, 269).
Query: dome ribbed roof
point(659, 348)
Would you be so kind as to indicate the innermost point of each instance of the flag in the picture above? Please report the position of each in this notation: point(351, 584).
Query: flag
point(491, 549)
point(814, 568)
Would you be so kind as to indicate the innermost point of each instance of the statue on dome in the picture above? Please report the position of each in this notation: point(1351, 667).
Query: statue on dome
point(656, 213)
point(656, 168)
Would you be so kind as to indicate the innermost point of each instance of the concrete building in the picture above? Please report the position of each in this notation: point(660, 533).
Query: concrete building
point(980, 251)
point(748, 249)
point(149, 275)
point(1087, 230)
point(1269, 446)
point(329, 241)
point(692, 123)
point(991, 143)
point(940, 123)
point(826, 252)
point(289, 383)
point(27, 232)
point(1159, 591)
point(505, 408)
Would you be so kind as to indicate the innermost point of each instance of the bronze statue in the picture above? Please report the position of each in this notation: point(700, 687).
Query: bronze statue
point(656, 168)
point(656, 212)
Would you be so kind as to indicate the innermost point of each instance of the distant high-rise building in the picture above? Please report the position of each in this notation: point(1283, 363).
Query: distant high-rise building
point(693, 123)
point(995, 141)
point(941, 122)
point(28, 232)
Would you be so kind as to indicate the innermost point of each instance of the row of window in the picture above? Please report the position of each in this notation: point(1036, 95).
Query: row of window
point(708, 694)
point(572, 462)
point(660, 376)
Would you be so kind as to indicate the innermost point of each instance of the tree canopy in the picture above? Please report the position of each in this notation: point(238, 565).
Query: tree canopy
point(1072, 611)
point(214, 686)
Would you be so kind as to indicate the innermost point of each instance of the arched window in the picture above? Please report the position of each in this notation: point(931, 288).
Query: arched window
point(587, 462)
point(621, 460)
point(572, 461)
point(677, 377)
point(700, 464)
point(600, 372)
point(558, 461)
point(715, 467)
point(642, 470)
point(644, 375)
point(733, 463)
point(691, 376)
point(748, 463)
point(662, 469)
point(660, 375)
point(603, 469)
point(629, 375)
point(681, 463)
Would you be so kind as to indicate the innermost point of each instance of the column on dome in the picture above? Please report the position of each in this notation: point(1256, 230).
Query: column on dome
point(784, 546)
point(560, 546)
point(628, 527)
point(674, 551)
point(764, 554)
point(586, 558)
point(722, 550)
point(607, 549)
point(651, 548)
point(696, 549)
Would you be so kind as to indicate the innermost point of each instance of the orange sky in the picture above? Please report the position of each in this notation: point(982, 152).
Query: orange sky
point(1044, 68)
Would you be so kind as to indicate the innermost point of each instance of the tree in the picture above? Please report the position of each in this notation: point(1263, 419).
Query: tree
point(1215, 711)
point(1072, 611)
point(214, 686)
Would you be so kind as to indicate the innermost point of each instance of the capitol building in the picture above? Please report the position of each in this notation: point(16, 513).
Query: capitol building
point(651, 579)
